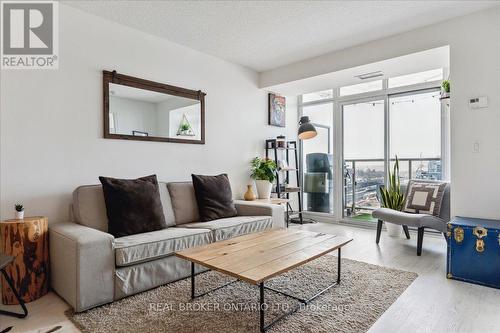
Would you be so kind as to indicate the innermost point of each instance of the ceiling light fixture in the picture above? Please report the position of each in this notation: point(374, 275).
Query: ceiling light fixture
point(370, 75)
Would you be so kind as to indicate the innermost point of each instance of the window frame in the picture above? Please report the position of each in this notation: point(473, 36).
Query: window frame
point(338, 102)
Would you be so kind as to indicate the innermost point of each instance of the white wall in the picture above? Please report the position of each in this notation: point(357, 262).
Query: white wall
point(133, 115)
point(474, 42)
point(51, 120)
point(163, 115)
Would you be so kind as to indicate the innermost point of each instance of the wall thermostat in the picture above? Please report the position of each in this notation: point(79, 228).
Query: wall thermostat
point(478, 102)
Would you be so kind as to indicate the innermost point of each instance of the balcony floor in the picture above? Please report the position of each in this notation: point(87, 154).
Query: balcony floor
point(362, 217)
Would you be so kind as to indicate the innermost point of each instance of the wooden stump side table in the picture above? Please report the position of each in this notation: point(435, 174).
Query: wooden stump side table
point(27, 241)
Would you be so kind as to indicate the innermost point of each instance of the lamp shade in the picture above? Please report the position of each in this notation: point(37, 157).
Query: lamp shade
point(306, 129)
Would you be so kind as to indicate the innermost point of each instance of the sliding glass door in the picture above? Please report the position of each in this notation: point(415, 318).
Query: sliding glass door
point(375, 133)
point(364, 155)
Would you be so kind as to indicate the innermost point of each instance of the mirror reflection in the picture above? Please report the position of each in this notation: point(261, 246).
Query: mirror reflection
point(139, 112)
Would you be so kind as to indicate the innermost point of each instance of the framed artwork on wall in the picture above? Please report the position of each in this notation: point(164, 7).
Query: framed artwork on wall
point(277, 108)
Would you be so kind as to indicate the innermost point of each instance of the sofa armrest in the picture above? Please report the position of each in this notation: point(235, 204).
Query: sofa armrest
point(248, 208)
point(82, 265)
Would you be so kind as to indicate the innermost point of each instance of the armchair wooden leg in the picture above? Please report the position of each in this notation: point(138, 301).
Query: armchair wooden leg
point(407, 232)
point(420, 239)
point(379, 230)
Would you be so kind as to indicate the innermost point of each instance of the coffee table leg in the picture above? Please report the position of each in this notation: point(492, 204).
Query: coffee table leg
point(264, 328)
point(261, 307)
point(193, 288)
point(192, 280)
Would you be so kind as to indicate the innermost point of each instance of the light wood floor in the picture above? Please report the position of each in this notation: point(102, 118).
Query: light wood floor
point(431, 304)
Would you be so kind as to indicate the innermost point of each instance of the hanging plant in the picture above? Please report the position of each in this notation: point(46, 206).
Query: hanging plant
point(446, 86)
point(185, 127)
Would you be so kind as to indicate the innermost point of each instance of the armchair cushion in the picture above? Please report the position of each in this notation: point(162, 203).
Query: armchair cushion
point(410, 219)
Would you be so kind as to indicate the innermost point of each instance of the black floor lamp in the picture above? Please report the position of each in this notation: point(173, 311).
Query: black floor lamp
point(306, 131)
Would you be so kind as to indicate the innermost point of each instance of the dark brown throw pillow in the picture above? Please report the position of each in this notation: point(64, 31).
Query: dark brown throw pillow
point(214, 197)
point(133, 206)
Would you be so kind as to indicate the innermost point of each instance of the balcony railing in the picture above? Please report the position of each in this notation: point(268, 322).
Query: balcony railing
point(363, 177)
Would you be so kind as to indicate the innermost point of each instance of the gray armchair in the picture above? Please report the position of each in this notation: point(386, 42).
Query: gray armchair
point(419, 221)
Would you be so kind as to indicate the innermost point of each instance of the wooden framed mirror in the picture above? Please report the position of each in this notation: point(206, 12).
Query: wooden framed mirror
point(138, 109)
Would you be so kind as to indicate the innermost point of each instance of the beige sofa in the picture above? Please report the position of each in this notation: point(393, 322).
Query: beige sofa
point(90, 267)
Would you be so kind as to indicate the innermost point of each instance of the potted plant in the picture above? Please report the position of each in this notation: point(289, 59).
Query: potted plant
point(184, 128)
point(264, 173)
point(19, 211)
point(445, 85)
point(392, 197)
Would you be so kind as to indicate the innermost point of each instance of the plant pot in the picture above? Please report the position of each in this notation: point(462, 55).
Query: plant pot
point(19, 215)
point(393, 230)
point(264, 188)
point(249, 195)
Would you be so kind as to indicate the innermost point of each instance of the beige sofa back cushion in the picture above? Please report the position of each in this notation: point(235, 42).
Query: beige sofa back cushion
point(89, 208)
point(184, 202)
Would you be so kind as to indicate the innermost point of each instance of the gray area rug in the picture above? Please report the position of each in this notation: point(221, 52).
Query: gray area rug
point(365, 292)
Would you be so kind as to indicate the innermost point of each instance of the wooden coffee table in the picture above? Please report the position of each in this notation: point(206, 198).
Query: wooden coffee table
point(256, 258)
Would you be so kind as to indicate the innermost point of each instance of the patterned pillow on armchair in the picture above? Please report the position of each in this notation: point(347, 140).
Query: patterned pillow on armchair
point(424, 197)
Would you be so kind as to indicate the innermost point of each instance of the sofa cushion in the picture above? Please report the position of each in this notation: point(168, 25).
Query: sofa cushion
point(133, 249)
point(166, 204)
point(233, 226)
point(133, 206)
point(183, 202)
point(214, 197)
point(89, 208)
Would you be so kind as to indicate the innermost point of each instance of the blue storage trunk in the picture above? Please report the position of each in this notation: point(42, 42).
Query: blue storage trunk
point(474, 251)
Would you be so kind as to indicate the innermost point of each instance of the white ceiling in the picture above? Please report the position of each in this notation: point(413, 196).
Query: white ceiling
point(263, 35)
point(411, 63)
